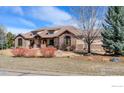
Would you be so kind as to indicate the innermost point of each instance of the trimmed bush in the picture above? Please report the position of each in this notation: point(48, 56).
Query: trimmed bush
point(24, 52)
point(18, 52)
point(48, 51)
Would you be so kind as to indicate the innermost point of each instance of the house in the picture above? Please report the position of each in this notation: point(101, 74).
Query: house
point(65, 37)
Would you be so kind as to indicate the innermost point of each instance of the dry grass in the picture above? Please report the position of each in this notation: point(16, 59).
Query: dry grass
point(98, 58)
point(6, 52)
point(74, 65)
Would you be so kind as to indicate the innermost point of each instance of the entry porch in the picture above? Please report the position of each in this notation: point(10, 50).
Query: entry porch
point(38, 42)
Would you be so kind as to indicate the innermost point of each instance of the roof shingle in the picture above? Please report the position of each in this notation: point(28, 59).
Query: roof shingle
point(44, 32)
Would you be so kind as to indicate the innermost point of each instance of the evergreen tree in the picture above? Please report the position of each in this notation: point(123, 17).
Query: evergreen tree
point(113, 34)
point(2, 37)
point(10, 38)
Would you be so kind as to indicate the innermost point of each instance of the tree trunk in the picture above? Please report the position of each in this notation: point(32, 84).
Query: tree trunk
point(89, 48)
point(116, 53)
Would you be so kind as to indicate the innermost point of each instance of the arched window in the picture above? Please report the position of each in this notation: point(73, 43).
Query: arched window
point(68, 40)
point(20, 42)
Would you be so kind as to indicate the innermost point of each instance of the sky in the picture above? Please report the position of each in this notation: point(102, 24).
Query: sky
point(21, 19)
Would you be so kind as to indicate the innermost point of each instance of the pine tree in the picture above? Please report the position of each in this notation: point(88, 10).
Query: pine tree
point(10, 38)
point(113, 34)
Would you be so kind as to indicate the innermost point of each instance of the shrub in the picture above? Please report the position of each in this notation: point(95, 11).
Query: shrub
point(70, 48)
point(18, 52)
point(67, 48)
point(48, 51)
point(63, 47)
point(24, 52)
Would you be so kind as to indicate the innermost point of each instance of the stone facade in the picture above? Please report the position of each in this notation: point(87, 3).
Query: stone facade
point(62, 39)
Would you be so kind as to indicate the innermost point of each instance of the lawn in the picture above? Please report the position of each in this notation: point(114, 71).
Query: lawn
point(70, 66)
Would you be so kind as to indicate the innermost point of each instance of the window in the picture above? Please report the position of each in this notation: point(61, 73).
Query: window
point(20, 42)
point(68, 40)
point(51, 42)
point(50, 31)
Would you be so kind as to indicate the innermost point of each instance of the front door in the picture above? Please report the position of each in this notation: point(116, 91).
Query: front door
point(37, 42)
point(51, 42)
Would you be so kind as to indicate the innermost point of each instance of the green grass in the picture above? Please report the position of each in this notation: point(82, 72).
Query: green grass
point(62, 65)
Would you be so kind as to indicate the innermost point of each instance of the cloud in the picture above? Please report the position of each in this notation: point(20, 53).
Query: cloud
point(16, 31)
point(66, 23)
point(27, 23)
point(16, 21)
point(12, 9)
point(50, 14)
point(19, 20)
point(24, 19)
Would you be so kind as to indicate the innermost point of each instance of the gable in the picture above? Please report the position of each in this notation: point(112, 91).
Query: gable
point(67, 32)
point(19, 36)
point(51, 33)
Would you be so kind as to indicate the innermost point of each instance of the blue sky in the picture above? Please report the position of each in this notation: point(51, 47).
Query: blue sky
point(24, 19)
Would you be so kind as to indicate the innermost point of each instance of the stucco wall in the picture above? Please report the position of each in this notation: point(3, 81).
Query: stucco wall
point(78, 43)
point(56, 42)
point(96, 46)
point(61, 39)
point(25, 43)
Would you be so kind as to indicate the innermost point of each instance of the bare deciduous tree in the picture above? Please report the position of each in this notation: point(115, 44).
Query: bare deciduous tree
point(88, 21)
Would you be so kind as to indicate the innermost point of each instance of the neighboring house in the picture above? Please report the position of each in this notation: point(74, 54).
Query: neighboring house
point(65, 37)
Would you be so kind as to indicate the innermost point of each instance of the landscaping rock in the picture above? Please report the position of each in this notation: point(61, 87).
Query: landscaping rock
point(60, 53)
point(38, 54)
point(115, 59)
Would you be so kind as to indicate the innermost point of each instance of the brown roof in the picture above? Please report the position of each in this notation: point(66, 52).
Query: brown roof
point(59, 31)
point(44, 32)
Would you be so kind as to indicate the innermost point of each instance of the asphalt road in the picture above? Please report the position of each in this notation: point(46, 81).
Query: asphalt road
point(12, 73)
point(31, 73)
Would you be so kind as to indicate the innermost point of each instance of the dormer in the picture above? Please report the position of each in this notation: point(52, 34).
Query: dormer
point(51, 31)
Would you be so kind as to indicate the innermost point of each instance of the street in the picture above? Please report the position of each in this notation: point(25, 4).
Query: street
point(12, 73)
